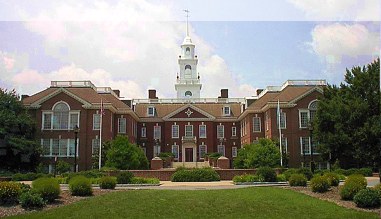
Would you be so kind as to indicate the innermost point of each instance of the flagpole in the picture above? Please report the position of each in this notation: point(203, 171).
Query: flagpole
point(100, 136)
point(280, 135)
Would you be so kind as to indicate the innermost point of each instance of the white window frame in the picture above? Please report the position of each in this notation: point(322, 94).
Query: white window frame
point(234, 151)
point(62, 143)
point(283, 124)
point(223, 131)
point(157, 132)
point(95, 127)
point(234, 131)
point(228, 109)
point(300, 118)
point(175, 155)
point(308, 151)
point(95, 143)
point(187, 132)
point(43, 120)
point(153, 111)
point(143, 132)
point(221, 148)
point(175, 131)
point(122, 129)
point(200, 150)
point(267, 120)
point(199, 131)
point(257, 121)
point(70, 122)
point(285, 145)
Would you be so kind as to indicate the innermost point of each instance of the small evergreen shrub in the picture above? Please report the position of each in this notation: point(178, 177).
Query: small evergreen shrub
point(353, 184)
point(141, 180)
point(107, 182)
point(80, 186)
point(378, 188)
point(306, 171)
point(124, 177)
point(25, 187)
point(9, 192)
point(29, 176)
point(31, 200)
point(87, 174)
point(48, 188)
point(367, 198)
point(333, 178)
point(289, 172)
point(297, 179)
point(365, 171)
point(267, 173)
point(62, 180)
point(247, 178)
point(195, 175)
point(281, 178)
point(319, 184)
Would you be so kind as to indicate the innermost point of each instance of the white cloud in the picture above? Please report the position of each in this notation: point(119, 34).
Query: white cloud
point(365, 10)
point(333, 41)
point(123, 45)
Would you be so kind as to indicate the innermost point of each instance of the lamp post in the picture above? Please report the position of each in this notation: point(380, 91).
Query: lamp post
point(76, 130)
point(312, 164)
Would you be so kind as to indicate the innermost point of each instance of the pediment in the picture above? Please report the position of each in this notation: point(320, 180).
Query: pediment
point(188, 112)
point(38, 103)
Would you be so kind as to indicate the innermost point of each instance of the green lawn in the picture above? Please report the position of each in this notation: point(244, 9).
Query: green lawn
point(235, 203)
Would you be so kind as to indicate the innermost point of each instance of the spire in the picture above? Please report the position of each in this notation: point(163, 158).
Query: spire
point(187, 11)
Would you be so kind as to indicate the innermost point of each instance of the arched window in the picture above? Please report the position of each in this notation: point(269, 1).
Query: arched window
point(188, 93)
point(61, 116)
point(312, 107)
point(188, 67)
point(187, 50)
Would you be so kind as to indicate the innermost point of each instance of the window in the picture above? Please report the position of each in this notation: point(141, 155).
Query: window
point(305, 145)
point(234, 131)
point(72, 147)
point(303, 118)
point(156, 150)
point(284, 145)
point(61, 116)
point(188, 67)
point(58, 147)
point(312, 108)
point(157, 132)
point(144, 132)
point(234, 151)
point(201, 151)
point(189, 131)
point(63, 148)
point(151, 111)
point(282, 120)
point(74, 120)
point(96, 121)
point(95, 146)
point(256, 124)
point(220, 131)
point(175, 131)
point(47, 120)
point(45, 143)
point(188, 93)
point(55, 147)
point(175, 151)
point(221, 149)
point(226, 110)
point(267, 121)
point(202, 131)
point(122, 123)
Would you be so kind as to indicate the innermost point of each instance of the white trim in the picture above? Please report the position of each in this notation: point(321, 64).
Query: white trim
point(223, 111)
point(94, 128)
point(260, 125)
point(125, 125)
point(234, 151)
point(199, 151)
point(300, 118)
point(178, 131)
point(178, 152)
point(223, 131)
point(199, 131)
point(145, 132)
point(207, 115)
point(234, 131)
point(185, 133)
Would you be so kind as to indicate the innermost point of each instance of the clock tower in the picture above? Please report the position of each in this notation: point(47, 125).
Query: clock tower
point(188, 81)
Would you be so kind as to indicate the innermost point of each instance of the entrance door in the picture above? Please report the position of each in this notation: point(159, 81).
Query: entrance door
point(188, 154)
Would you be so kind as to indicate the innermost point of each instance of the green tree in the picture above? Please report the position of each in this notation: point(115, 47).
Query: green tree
point(265, 153)
point(348, 123)
point(17, 133)
point(126, 156)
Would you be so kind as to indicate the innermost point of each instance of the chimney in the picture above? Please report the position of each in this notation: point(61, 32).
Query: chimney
point(259, 91)
point(224, 93)
point(117, 92)
point(152, 94)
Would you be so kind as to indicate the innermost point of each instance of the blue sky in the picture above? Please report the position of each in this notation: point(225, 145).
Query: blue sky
point(133, 45)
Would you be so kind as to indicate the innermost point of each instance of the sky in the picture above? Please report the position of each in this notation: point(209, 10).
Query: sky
point(133, 45)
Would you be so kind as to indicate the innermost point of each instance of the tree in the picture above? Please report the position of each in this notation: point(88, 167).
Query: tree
point(126, 156)
point(265, 153)
point(18, 147)
point(348, 123)
point(105, 147)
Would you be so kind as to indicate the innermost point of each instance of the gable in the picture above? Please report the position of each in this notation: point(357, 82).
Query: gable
point(58, 92)
point(188, 112)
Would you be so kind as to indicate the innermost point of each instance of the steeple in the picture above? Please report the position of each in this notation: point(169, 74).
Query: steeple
point(187, 11)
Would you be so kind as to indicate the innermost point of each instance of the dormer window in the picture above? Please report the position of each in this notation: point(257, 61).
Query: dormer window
point(151, 111)
point(227, 111)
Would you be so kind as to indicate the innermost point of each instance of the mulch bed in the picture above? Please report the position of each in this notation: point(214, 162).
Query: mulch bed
point(65, 199)
point(332, 196)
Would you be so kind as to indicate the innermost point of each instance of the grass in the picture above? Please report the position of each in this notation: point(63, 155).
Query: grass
point(265, 202)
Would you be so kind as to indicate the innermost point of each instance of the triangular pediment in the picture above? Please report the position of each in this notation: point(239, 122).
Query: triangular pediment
point(188, 112)
point(38, 103)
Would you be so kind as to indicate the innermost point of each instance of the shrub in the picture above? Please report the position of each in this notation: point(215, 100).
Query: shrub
point(319, 184)
point(247, 178)
point(195, 175)
point(333, 178)
point(31, 200)
point(352, 185)
point(107, 182)
point(25, 187)
point(62, 180)
point(9, 192)
point(365, 171)
point(87, 174)
point(29, 176)
point(48, 188)
point(367, 198)
point(307, 172)
point(63, 167)
point(124, 177)
point(378, 188)
point(141, 180)
point(80, 186)
point(297, 180)
point(289, 172)
point(267, 173)
point(281, 178)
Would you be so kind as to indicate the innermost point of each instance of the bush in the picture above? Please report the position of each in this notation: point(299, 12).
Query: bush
point(265, 153)
point(62, 180)
point(48, 188)
point(107, 182)
point(362, 171)
point(297, 180)
point(353, 184)
point(141, 180)
point(367, 198)
point(29, 176)
point(267, 173)
point(319, 184)
point(80, 186)
point(87, 174)
point(124, 177)
point(30, 200)
point(365, 171)
point(333, 178)
point(306, 171)
point(289, 172)
point(195, 175)
point(63, 167)
point(281, 178)
point(25, 187)
point(247, 178)
point(378, 188)
point(9, 192)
